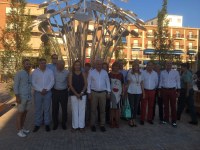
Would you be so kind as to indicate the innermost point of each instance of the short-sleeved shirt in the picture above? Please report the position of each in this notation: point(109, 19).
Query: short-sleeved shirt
point(135, 83)
point(186, 77)
point(60, 79)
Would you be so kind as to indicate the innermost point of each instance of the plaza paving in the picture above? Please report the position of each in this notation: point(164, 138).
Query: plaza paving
point(147, 137)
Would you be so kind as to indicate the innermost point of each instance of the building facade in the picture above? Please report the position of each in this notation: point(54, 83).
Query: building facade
point(185, 41)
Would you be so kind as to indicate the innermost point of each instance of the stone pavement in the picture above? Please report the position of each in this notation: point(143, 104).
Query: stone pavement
point(147, 137)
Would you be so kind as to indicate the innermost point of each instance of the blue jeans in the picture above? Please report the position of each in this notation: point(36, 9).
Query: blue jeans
point(134, 100)
point(42, 105)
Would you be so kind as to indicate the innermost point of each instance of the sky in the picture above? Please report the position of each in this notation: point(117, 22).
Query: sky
point(148, 9)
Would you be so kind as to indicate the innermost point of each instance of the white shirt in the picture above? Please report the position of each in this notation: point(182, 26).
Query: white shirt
point(135, 83)
point(150, 80)
point(98, 81)
point(42, 79)
point(170, 79)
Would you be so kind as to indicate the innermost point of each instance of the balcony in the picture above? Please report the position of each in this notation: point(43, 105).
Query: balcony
point(178, 36)
point(192, 37)
point(136, 45)
point(192, 47)
point(149, 34)
point(179, 47)
point(149, 46)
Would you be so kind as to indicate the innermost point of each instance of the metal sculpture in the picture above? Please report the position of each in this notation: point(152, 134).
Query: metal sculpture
point(97, 25)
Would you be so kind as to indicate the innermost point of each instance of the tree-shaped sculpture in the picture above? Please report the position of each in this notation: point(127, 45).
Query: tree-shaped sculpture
point(97, 25)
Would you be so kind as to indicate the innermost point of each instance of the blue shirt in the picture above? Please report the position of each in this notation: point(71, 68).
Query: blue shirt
point(60, 79)
point(52, 67)
point(22, 85)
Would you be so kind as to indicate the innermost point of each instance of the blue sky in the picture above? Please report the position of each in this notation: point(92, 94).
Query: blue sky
point(147, 9)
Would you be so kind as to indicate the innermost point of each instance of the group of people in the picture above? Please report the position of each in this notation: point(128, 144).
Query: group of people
point(95, 92)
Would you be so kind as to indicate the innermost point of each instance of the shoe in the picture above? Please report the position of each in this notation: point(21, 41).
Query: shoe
point(93, 129)
point(82, 130)
point(163, 122)
point(36, 128)
point(21, 134)
point(174, 125)
point(26, 131)
point(141, 122)
point(74, 130)
point(193, 122)
point(150, 122)
point(47, 127)
point(55, 127)
point(103, 129)
point(64, 127)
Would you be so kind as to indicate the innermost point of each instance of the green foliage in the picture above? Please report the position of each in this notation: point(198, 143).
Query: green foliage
point(119, 54)
point(48, 48)
point(162, 41)
point(16, 36)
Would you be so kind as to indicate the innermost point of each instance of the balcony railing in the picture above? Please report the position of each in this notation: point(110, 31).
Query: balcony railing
point(149, 46)
point(134, 45)
point(149, 34)
point(192, 37)
point(179, 47)
point(178, 36)
point(191, 47)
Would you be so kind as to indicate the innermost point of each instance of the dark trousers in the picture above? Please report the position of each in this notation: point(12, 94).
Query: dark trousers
point(169, 97)
point(134, 100)
point(107, 110)
point(159, 101)
point(183, 100)
point(59, 97)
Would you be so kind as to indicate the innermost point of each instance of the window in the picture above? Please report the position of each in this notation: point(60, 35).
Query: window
point(170, 19)
point(190, 35)
point(178, 20)
point(149, 44)
point(190, 45)
point(135, 43)
point(150, 33)
point(177, 45)
point(178, 34)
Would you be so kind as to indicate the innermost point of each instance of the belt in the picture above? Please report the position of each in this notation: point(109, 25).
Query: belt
point(169, 88)
point(149, 90)
point(98, 91)
point(59, 90)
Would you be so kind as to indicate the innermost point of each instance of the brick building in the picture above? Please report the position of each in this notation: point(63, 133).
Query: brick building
point(186, 42)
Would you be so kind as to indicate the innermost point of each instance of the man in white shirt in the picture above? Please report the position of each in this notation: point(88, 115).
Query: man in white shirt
point(42, 81)
point(98, 88)
point(150, 80)
point(170, 86)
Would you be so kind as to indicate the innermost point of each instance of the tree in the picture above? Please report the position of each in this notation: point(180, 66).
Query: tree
point(162, 41)
point(15, 36)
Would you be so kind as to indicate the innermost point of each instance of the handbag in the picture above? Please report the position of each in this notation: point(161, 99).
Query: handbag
point(126, 109)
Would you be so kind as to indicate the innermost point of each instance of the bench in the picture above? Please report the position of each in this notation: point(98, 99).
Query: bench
point(2, 106)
